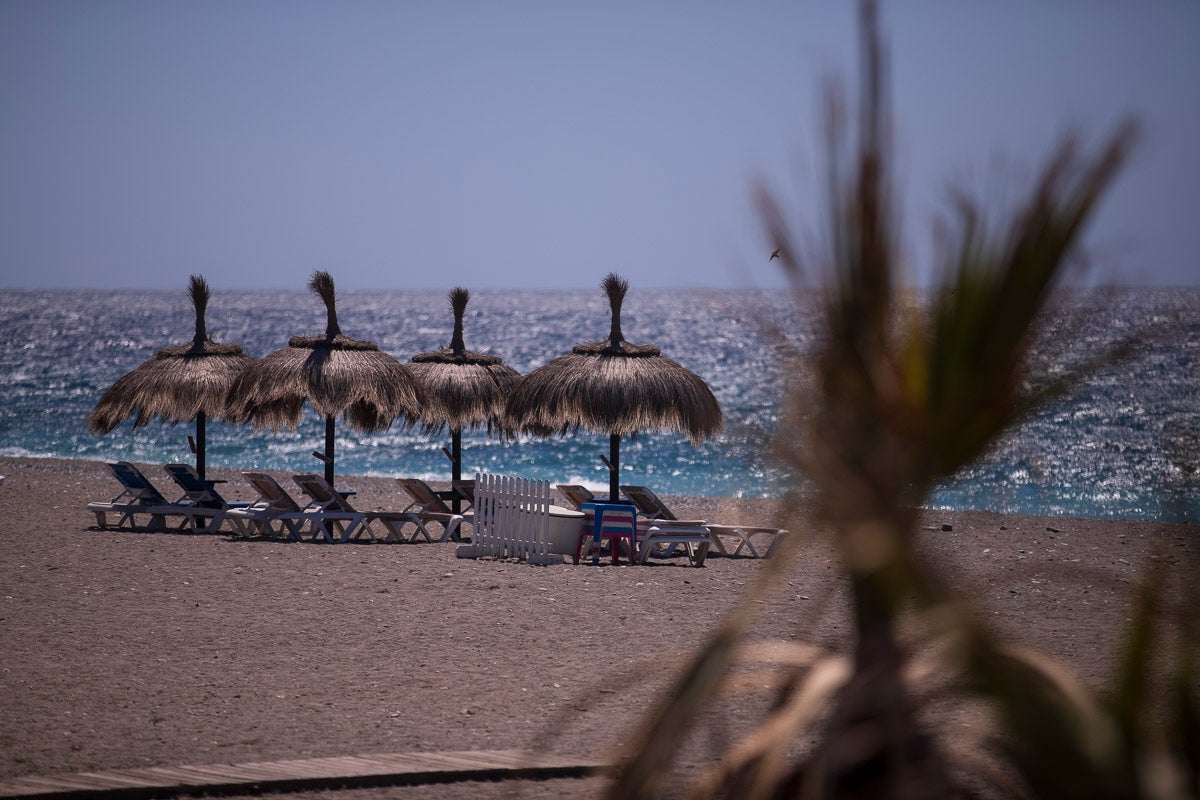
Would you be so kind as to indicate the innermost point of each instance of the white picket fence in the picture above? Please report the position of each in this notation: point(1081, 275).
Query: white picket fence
point(512, 520)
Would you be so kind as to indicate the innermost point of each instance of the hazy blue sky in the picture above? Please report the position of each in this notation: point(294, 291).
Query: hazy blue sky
point(427, 144)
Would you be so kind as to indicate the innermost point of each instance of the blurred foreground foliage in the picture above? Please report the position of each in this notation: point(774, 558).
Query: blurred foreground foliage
point(899, 396)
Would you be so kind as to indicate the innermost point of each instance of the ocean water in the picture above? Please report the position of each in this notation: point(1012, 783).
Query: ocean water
point(1126, 445)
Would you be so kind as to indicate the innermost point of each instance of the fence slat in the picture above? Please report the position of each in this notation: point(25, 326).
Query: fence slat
point(512, 519)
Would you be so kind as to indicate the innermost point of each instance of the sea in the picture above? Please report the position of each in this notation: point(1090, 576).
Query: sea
point(1126, 444)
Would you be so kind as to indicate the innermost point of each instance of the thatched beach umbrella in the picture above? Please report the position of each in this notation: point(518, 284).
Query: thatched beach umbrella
point(338, 375)
point(463, 390)
point(617, 388)
point(184, 382)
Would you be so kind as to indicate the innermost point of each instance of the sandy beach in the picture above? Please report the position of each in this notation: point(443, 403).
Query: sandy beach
point(124, 649)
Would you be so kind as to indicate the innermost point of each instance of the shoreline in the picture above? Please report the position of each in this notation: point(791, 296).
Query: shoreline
point(129, 650)
point(382, 483)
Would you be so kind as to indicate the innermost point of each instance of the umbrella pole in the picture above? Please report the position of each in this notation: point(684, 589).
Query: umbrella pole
point(456, 470)
point(329, 449)
point(200, 463)
point(614, 468)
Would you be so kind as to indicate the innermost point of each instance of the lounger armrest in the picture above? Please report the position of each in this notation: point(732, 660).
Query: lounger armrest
point(747, 528)
point(667, 524)
point(438, 516)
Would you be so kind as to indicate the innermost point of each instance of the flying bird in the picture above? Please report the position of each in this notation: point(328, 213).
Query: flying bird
point(775, 255)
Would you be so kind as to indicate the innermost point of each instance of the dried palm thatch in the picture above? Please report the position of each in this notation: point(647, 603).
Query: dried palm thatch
point(338, 375)
point(183, 382)
point(463, 390)
point(617, 388)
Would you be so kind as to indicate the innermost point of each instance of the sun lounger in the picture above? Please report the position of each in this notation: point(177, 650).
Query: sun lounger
point(466, 493)
point(203, 507)
point(274, 513)
point(332, 517)
point(138, 496)
point(652, 507)
point(430, 506)
point(744, 535)
point(328, 514)
point(576, 495)
point(666, 535)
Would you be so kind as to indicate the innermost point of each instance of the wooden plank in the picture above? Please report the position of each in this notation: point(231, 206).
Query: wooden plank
point(113, 779)
point(57, 780)
point(513, 759)
point(185, 776)
point(33, 785)
point(298, 774)
point(319, 767)
point(268, 771)
point(209, 776)
point(374, 767)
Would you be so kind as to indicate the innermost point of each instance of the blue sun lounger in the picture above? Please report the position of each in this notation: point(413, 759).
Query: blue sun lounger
point(138, 497)
point(203, 507)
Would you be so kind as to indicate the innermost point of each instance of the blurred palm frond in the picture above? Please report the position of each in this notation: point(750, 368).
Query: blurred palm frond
point(901, 393)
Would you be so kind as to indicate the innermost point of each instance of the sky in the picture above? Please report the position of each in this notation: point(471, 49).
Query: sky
point(544, 144)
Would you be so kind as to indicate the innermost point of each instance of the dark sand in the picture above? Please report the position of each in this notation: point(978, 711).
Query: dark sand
point(122, 649)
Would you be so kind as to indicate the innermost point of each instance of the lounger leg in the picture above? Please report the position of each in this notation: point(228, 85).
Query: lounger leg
point(324, 529)
point(359, 529)
point(202, 523)
point(647, 546)
point(352, 531)
point(420, 531)
point(294, 528)
point(750, 545)
point(744, 543)
point(212, 526)
point(395, 530)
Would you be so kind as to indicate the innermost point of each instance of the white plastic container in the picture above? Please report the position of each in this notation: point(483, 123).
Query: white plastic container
point(565, 524)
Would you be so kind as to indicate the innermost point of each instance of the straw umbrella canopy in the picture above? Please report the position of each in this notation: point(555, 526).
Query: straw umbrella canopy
point(338, 375)
point(183, 382)
point(615, 388)
point(463, 390)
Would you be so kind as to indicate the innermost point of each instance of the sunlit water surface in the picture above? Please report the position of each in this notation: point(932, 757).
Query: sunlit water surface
point(1124, 446)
